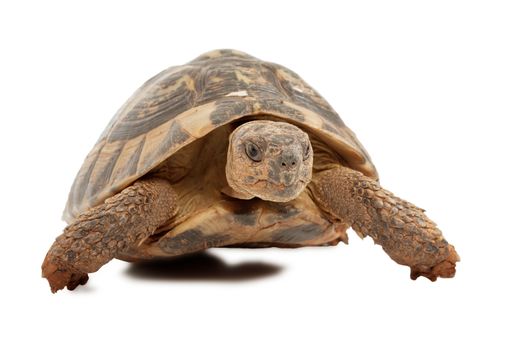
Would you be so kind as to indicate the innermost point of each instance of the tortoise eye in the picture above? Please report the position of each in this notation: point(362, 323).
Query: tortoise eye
point(306, 152)
point(253, 152)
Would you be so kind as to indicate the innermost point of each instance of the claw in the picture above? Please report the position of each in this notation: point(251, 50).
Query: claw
point(60, 278)
point(444, 269)
point(76, 280)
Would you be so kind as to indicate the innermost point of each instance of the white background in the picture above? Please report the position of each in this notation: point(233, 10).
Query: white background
point(421, 83)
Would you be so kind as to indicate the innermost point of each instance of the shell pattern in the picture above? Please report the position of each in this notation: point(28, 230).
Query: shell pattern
point(184, 103)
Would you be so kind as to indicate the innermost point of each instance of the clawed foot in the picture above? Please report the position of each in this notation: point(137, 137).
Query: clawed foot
point(444, 269)
point(60, 277)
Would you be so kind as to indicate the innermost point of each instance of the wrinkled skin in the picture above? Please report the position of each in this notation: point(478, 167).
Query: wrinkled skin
point(269, 160)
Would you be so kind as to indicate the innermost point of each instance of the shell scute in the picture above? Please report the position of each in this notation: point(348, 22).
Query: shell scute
point(183, 103)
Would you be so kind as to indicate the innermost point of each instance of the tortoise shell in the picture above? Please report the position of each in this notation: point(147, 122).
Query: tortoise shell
point(184, 103)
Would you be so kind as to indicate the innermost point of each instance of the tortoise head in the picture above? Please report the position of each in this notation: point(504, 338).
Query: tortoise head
point(269, 160)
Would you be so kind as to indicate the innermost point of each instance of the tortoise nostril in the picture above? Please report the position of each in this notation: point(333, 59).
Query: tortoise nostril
point(288, 160)
point(284, 164)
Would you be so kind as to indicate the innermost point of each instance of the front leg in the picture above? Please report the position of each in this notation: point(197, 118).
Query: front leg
point(407, 235)
point(99, 234)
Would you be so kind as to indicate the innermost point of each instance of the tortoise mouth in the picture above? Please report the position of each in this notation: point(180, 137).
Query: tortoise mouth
point(286, 179)
point(277, 192)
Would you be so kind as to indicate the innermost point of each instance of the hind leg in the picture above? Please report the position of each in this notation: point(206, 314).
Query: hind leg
point(102, 232)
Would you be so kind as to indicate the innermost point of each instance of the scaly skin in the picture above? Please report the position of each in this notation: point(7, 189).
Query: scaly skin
point(405, 233)
point(99, 234)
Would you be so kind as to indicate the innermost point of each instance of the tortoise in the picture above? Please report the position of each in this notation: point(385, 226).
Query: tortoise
point(231, 151)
